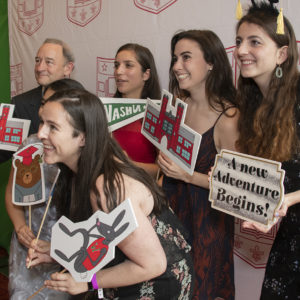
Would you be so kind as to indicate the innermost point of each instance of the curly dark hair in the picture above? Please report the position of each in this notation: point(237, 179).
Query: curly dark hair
point(267, 125)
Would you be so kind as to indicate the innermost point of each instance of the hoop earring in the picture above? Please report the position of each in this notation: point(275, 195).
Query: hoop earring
point(278, 72)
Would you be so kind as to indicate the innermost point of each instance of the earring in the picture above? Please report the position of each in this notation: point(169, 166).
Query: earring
point(278, 72)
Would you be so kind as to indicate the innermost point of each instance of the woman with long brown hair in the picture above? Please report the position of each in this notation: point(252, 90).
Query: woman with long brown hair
point(136, 78)
point(152, 262)
point(269, 100)
point(200, 75)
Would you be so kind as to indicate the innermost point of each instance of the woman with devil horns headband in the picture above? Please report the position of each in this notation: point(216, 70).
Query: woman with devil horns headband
point(269, 100)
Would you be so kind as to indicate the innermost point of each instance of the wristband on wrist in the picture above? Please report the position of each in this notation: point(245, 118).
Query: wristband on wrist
point(94, 282)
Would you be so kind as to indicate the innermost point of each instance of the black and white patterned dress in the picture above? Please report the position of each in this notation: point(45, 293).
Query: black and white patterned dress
point(282, 278)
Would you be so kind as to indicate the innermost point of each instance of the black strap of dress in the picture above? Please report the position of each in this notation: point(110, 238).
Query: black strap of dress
point(220, 115)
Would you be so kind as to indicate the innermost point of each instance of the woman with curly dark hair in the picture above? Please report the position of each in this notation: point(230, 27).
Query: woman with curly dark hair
point(269, 100)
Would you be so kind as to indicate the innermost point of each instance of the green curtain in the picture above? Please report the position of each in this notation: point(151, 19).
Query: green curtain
point(5, 223)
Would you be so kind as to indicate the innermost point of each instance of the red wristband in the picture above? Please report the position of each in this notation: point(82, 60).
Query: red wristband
point(94, 282)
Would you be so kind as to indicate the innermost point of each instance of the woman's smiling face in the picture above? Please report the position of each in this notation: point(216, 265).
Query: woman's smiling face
point(189, 65)
point(61, 143)
point(256, 53)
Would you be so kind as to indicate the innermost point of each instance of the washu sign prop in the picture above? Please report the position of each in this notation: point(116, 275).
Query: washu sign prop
point(12, 131)
point(164, 127)
point(247, 187)
point(123, 111)
point(84, 248)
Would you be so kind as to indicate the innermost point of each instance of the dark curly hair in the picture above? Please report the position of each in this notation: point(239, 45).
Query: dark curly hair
point(267, 124)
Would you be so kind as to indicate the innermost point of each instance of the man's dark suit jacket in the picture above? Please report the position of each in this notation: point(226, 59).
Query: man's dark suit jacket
point(27, 106)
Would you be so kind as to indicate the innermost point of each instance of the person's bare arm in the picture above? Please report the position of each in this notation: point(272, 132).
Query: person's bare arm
point(226, 130)
point(290, 199)
point(146, 258)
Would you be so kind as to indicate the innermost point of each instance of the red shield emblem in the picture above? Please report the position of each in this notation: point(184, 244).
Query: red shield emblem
point(16, 80)
point(106, 86)
point(253, 246)
point(30, 15)
point(154, 6)
point(82, 12)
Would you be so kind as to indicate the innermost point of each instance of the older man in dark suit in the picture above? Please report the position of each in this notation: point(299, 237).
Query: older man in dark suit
point(54, 60)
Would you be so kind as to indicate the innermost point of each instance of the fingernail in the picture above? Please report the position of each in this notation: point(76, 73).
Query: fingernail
point(276, 214)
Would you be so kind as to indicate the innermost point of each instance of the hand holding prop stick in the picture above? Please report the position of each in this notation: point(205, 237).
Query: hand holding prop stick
point(42, 287)
point(46, 210)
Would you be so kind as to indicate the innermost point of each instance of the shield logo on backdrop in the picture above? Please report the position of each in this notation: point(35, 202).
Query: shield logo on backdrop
point(16, 80)
point(105, 86)
point(30, 15)
point(253, 246)
point(82, 12)
point(154, 6)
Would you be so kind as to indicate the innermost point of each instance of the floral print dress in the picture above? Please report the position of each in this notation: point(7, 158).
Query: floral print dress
point(177, 282)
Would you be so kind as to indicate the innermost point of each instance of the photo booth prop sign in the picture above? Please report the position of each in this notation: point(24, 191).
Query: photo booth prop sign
point(28, 179)
point(12, 131)
point(164, 127)
point(247, 187)
point(123, 111)
point(84, 248)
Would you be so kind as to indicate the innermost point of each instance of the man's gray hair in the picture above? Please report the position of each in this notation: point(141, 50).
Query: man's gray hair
point(67, 52)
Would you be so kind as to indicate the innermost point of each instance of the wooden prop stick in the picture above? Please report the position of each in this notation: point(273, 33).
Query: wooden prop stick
point(42, 287)
point(29, 217)
point(42, 223)
point(45, 213)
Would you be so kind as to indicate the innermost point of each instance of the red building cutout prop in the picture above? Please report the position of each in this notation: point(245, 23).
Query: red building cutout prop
point(164, 127)
point(12, 131)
